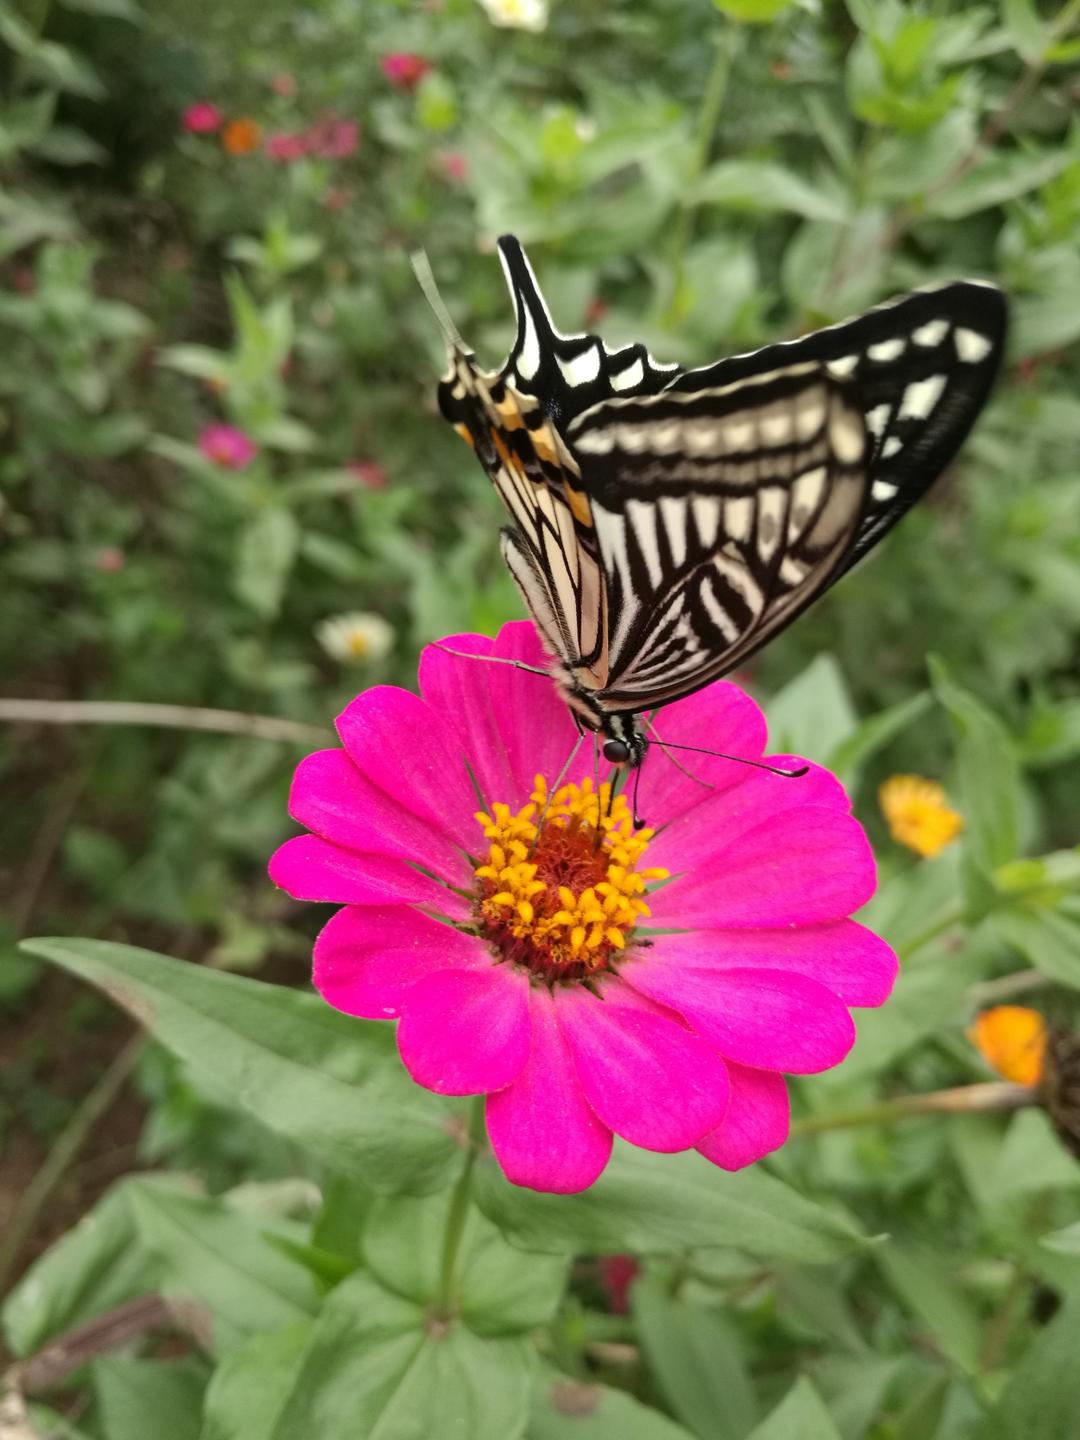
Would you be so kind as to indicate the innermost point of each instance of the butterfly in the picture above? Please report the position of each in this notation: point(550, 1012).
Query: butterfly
point(666, 523)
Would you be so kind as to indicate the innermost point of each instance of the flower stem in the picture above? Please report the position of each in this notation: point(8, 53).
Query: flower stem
point(458, 1214)
point(962, 1100)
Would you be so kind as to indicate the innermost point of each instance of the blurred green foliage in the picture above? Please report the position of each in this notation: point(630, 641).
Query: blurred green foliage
point(703, 177)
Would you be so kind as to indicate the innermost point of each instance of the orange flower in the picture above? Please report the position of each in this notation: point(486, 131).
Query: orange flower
point(242, 136)
point(917, 814)
point(1012, 1040)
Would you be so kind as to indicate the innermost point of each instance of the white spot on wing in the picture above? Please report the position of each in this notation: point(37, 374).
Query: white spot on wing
point(582, 368)
point(676, 517)
point(641, 515)
point(883, 490)
point(971, 346)
point(716, 612)
point(932, 333)
point(921, 397)
point(845, 365)
point(845, 436)
point(893, 445)
point(528, 360)
point(775, 425)
point(707, 518)
point(737, 518)
point(626, 379)
point(886, 349)
point(596, 442)
point(878, 418)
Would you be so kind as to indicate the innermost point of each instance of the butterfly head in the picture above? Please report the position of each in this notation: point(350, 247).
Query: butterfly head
point(622, 745)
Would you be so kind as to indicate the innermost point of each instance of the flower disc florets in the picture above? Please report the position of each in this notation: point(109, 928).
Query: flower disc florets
point(560, 893)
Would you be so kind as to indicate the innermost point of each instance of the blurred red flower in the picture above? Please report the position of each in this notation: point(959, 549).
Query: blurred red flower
point(285, 147)
point(333, 139)
point(201, 118)
point(453, 166)
point(227, 446)
point(403, 69)
point(368, 473)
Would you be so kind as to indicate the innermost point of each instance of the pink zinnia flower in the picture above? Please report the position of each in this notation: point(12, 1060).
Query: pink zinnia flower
point(528, 952)
point(109, 559)
point(453, 166)
point(227, 446)
point(284, 147)
point(201, 118)
point(284, 84)
point(333, 139)
point(404, 69)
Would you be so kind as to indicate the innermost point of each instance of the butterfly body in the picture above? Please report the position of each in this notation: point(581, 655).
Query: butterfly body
point(665, 523)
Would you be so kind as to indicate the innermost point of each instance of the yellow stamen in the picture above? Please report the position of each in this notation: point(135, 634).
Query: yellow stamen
point(918, 815)
point(563, 898)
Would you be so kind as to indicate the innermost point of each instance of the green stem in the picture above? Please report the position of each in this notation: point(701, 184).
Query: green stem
point(962, 1100)
point(932, 931)
point(458, 1214)
point(712, 102)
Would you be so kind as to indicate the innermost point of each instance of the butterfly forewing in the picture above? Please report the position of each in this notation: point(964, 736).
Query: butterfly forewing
point(665, 523)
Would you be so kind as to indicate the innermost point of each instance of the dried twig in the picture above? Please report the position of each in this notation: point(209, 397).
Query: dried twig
point(170, 717)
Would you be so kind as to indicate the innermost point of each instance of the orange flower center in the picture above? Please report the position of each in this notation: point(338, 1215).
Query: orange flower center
point(561, 892)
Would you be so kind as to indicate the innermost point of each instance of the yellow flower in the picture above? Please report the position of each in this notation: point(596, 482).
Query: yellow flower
point(918, 815)
point(517, 14)
point(355, 636)
point(241, 137)
point(1012, 1040)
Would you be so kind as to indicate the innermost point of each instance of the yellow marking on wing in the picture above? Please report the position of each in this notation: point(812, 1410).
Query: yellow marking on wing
point(463, 431)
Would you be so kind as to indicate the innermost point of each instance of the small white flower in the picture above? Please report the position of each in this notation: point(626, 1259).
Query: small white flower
point(517, 14)
point(356, 636)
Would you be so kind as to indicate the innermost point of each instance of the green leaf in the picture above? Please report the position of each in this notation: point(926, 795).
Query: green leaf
point(927, 1286)
point(1063, 1242)
point(250, 1387)
point(328, 1081)
point(565, 1409)
point(801, 1415)
point(999, 176)
point(1042, 1397)
point(694, 1354)
point(66, 145)
point(501, 1291)
point(1049, 940)
point(1032, 1160)
point(380, 1366)
point(115, 9)
point(874, 734)
point(854, 1389)
point(222, 1261)
point(752, 12)
point(813, 714)
point(988, 771)
point(268, 547)
point(758, 186)
point(665, 1204)
point(137, 1398)
point(1025, 28)
point(94, 1267)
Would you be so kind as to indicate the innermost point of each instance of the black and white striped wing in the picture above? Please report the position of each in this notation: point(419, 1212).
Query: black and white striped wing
point(719, 514)
point(923, 367)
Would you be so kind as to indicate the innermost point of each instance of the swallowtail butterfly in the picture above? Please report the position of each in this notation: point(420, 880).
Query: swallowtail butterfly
point(665, 523)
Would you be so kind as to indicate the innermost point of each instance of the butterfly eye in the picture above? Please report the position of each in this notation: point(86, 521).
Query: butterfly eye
point(616, 752)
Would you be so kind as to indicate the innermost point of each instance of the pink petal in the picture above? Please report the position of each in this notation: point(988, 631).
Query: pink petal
point(308, 868)
point(331, 797)
point(799, 867)
point(367, 960)
point(722, 817)
point(647, 1078)
point(407, 750)
point(756, 1122)
point(538, 733)
point(768, 1019)
point(466, 1032)
point(720, 717)
point(844, 956)
point(457, 688)
point(543, 1132)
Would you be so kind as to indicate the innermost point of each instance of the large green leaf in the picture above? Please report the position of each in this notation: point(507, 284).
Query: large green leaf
point(221, 1265)
point(813, 714)
point(662, 1204)
point(265, 560)
point(138, 1398)
point(382, 1367)
point(1042, 1398)
point(927, 1286)
point(250, 1387)
point(1049, 940)
point(565, 1409)
point(756, 185)
point(500, 1291)
point(801, 1415)
point(696, 1358)
point(327, 1081)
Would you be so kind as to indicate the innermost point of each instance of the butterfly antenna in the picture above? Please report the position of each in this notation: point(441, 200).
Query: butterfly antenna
point(739, 760)
point(425, 275)
point(491, 659)
point(639, 823)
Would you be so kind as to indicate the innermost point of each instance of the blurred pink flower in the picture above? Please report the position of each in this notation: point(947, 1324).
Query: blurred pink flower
point(453, 166)
point(404, 69)
point(201, 118)
point(556, 976)
point(336, 198)
point(333, 139)
point(368, 473)
point(617, 1274)
point(109, 559)
point(284, 84)
point(285, 147)
point(227, 446)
